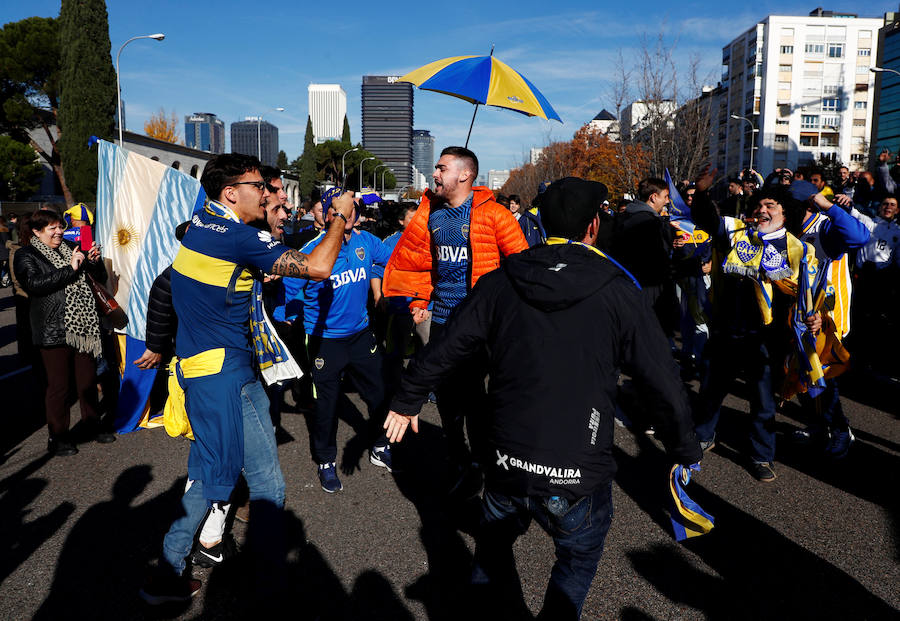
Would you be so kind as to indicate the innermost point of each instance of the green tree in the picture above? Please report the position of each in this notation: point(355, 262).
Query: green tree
point(20, 172)
point(29, 87)
point(87, 90)
point(281, 162)
point(345, 135)
point(306, 167)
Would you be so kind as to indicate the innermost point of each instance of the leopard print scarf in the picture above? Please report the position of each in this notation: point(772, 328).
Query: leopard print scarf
point(81, 319)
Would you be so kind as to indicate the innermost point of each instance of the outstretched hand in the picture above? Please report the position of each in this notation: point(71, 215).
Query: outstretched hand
point(395, 425)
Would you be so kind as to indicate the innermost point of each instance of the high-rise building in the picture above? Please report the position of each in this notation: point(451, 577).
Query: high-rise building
point(254, 136)
point(203, 131)
point(423, 152)
point(327, 109)
point(805, 86)
point(886, 121)
point(496, 179)
point(387, 123)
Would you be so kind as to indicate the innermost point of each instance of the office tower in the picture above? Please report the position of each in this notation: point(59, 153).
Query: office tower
point(327, 109)
point(203, 131)
point(387, 123)
point(886, 121)
point(254, 136)
point(423, 152)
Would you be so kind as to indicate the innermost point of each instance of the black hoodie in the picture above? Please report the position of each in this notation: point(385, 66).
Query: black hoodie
point(559, 322)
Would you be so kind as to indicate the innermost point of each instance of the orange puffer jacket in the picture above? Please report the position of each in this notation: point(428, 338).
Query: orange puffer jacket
point(493, 232)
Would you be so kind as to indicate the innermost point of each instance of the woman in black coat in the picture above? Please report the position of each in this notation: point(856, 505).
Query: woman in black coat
point(65, 324)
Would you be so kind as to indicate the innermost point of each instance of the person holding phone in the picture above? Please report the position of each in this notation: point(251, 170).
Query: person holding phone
point(65, 325)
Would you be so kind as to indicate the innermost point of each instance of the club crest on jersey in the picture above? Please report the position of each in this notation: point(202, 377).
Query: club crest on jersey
point(465, 229)
point(746, 251)
point(361, 254)
point(320, 362)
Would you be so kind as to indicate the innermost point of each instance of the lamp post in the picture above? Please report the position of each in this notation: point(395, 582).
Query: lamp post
point(259, 133)
point(382, 178)
point(364, 160)
point(374, 176)
point(158, 37)
point(883, 69)
point(753, 132)
point(343, 171)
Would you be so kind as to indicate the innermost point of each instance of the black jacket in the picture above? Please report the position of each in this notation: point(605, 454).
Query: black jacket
point(46, 288)
point(643, 244)
point(162, 323)
point(558, 321)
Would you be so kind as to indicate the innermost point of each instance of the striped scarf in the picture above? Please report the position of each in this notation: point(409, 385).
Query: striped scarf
point(272, 356)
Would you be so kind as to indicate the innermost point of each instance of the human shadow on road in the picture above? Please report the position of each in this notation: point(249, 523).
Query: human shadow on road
point(17, 492)
point(751, 559)
point(105, 557)
point(314, 591)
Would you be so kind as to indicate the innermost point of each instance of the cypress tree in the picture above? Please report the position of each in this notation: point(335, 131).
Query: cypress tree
point(87, 91)
point(345, 135)
point(307, 167)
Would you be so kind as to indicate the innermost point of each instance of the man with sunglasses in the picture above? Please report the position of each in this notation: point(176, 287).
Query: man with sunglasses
point(212, 283)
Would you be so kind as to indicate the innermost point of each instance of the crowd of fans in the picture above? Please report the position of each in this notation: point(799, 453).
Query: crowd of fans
point(724, 295)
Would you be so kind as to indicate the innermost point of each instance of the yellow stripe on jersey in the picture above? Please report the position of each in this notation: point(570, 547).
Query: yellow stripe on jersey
point(209, 270)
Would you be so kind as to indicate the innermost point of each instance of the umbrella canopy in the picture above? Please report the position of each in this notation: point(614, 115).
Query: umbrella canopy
point(483, 80)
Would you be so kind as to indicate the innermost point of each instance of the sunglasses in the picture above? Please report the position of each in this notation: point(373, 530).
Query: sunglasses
point(259, 185)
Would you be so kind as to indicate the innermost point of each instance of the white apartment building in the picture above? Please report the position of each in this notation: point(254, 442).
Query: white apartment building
point(327, 109)
point(496, 179)
point(805, 85)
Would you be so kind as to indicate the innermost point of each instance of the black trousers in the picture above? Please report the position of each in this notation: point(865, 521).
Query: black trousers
point(360, 357)
point(463, 403)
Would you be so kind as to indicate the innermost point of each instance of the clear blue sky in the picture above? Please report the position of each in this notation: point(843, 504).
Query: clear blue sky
point(237, 59)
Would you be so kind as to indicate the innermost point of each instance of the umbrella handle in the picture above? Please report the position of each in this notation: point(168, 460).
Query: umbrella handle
point(469, 135)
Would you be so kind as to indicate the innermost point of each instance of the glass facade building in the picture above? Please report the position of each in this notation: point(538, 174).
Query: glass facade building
point(203, 131)
point(887, 89)
point(387, 123)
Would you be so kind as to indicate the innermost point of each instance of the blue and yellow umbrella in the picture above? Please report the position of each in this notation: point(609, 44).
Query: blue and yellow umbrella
point(482, 80)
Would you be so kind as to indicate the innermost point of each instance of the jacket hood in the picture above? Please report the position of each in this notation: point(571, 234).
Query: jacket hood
point(555, 277)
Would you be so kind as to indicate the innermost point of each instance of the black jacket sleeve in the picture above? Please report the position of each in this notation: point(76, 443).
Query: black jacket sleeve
point(161, 320)
point(646, 357)
point(464, 336)
point(706, 215)
point(34, 280)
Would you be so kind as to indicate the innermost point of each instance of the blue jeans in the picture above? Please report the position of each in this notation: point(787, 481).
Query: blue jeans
point(263, 474)
point(726, 357)
point(578, 529)
point(828, 410)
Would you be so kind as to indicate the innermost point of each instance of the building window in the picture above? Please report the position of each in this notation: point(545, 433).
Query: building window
point(859, 122)
point(809, 121)
point(781, 139)
point(814, 48)
point(835, 50)
point(831, 121)
point(857, 157)
point(784, 86)
point(782, 122)
point(786, 68)
point(858, 140)
point(861, 69)
point(860, 105)
point(831, 103)
point(863, 52)
point(809, 141)
point(830, 89)
point(787, 49)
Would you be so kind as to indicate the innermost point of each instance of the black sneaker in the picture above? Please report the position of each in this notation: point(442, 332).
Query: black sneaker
point(164, 589)
point(763, 471)
point(59, 447)
point(216, 555)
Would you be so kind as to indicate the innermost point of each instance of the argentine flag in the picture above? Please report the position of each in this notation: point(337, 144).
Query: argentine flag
point(139, 203)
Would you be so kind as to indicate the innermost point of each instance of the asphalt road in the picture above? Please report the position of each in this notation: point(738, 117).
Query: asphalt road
point(821, 542)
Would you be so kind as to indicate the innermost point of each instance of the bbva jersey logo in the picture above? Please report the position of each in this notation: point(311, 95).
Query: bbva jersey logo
point(348, 276)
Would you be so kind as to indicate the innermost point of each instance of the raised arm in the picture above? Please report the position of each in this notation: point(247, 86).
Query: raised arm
point(317, 264)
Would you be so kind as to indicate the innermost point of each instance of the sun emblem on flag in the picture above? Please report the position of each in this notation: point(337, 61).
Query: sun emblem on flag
point(126, 236)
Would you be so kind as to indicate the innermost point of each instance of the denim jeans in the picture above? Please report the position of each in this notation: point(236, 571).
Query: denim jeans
point(828, 412)
point(726, 357)
point(263, 474)
point(578, 529)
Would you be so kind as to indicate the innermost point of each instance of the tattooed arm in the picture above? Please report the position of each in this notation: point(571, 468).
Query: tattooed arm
point(317, 264)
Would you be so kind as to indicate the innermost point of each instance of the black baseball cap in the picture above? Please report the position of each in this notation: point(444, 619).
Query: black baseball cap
point(569, 204)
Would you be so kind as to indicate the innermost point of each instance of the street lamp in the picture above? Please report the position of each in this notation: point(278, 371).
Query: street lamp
point(382, 178)
point(753, 132)
point(159, 37)
point(883, 69)
point(259, 134)
point(374, 177)
point(343, 171)
point(361, 170)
